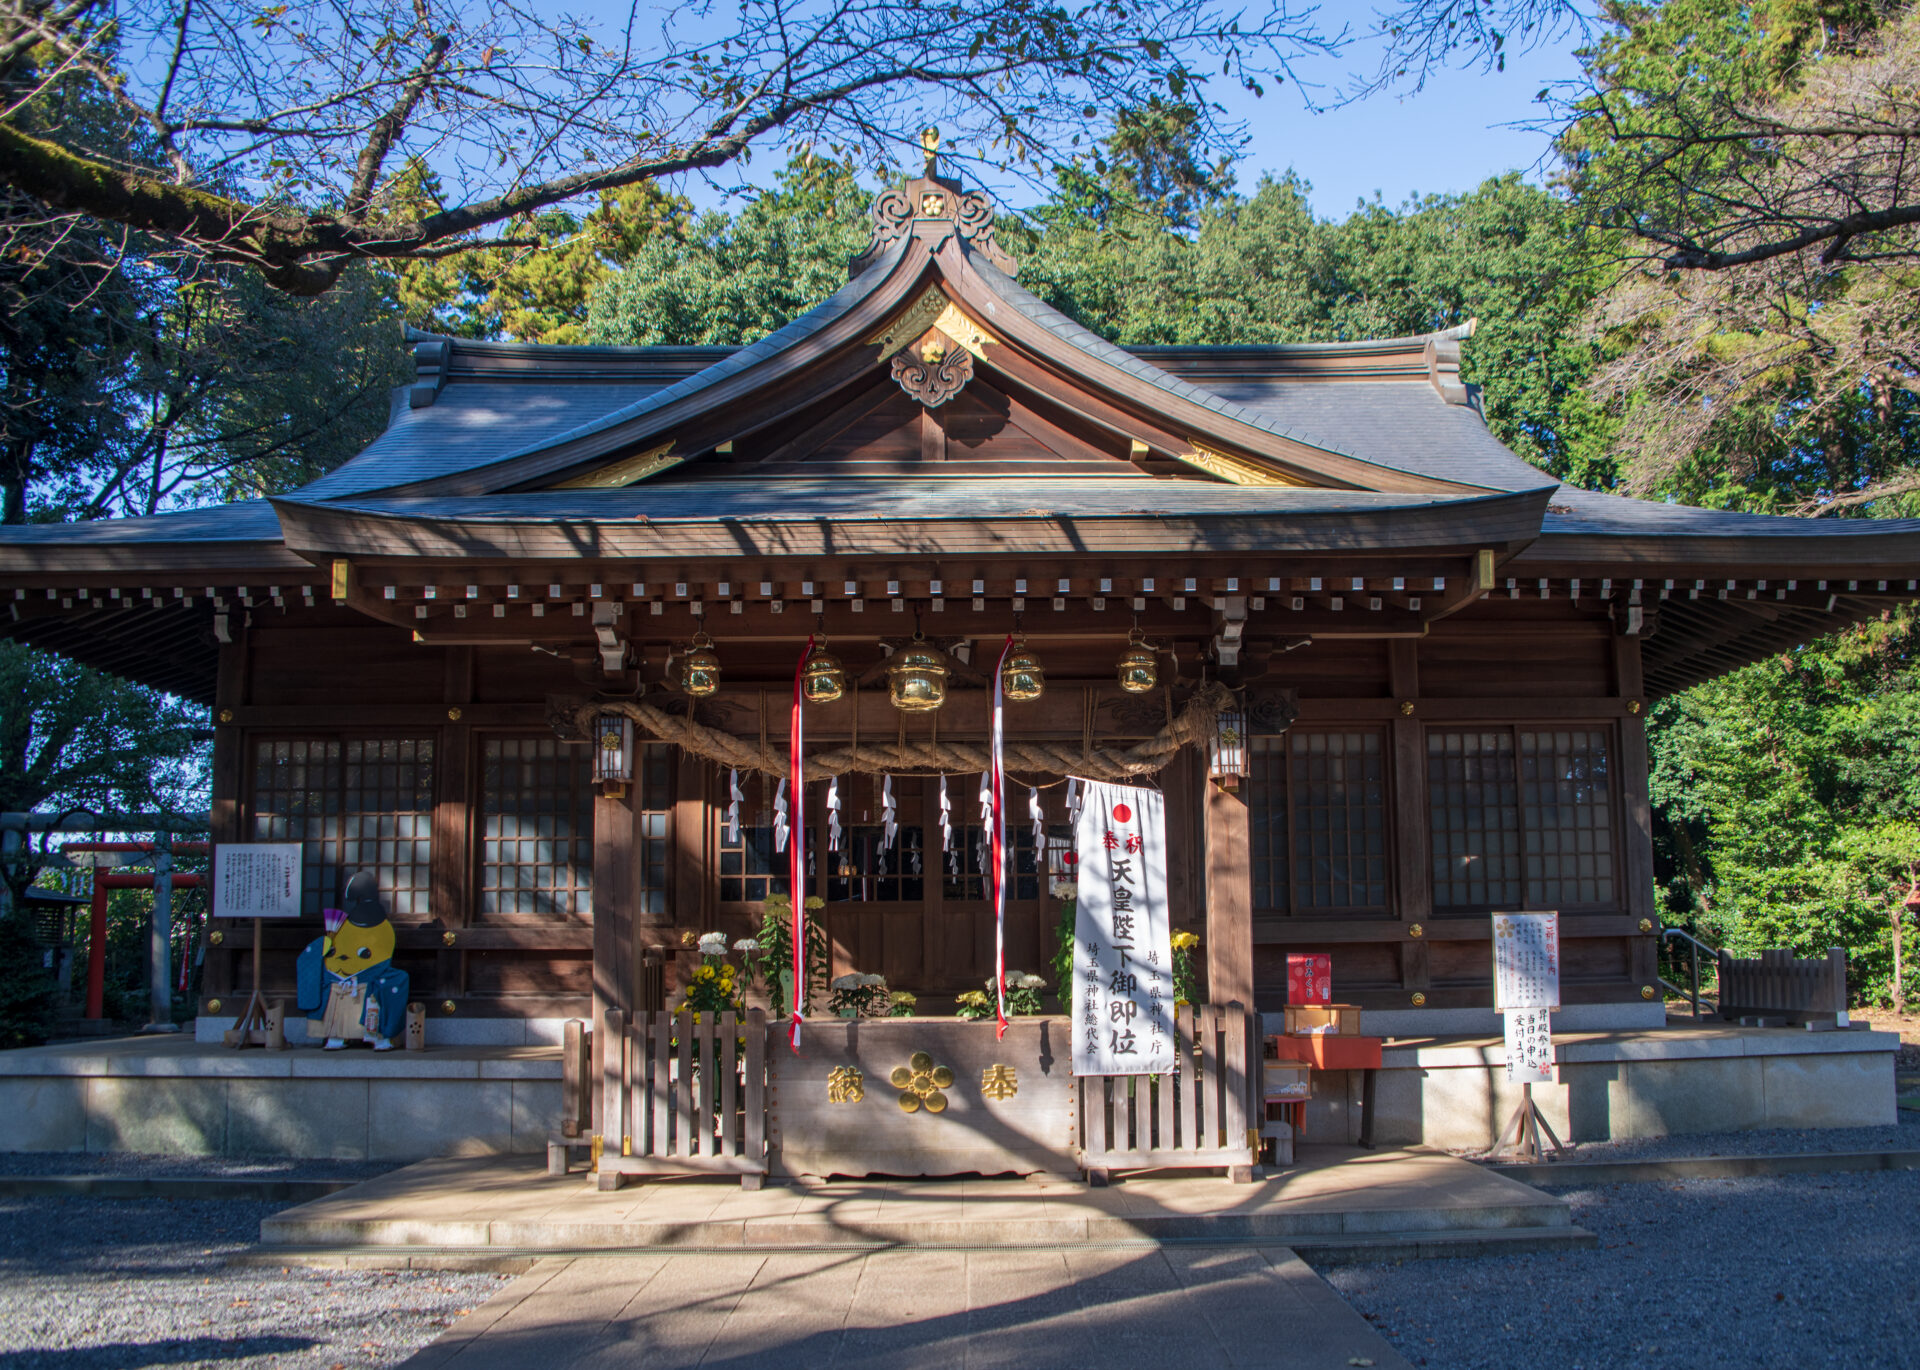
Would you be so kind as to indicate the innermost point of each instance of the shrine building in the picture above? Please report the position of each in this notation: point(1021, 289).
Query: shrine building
point(1389, 676)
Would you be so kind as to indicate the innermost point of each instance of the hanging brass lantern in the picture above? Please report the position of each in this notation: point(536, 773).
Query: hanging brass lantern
point(1022, 677)
point(823, 679)
point(917, 677)
point(700, 668)
point(1138, 667)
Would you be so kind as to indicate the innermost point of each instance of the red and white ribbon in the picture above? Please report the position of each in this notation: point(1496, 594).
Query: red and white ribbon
point(797, 847)
point(997, 850)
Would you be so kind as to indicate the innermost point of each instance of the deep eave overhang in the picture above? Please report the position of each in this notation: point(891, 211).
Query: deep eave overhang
point(390, 529)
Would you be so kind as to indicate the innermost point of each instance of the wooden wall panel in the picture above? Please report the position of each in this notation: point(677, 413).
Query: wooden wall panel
point(331, 666)
point(1560, 661)
point(1334, 668)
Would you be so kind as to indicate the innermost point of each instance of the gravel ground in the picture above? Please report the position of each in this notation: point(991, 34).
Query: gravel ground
point(186, 1167)
point(1904, 1135)
point(1779, 1273)
point(98, 1285)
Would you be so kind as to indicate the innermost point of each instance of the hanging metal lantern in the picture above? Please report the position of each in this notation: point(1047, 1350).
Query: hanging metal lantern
point(917, 677)
point(700, 668)
point(1228, 760)
point(1138, 667)
point(613, 749)
point(1022, 677)
point(823, 679)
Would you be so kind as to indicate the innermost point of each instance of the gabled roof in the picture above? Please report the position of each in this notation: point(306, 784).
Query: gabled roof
point(934, 407)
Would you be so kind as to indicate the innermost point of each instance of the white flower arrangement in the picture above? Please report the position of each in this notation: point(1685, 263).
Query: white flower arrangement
point(847, 982)
point(746, 945)
point(855, 995)
point(713, 944)
point(1065, 889)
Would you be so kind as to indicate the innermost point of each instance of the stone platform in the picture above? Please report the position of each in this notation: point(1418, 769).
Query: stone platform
point(503, 1213)
point(176, 1096)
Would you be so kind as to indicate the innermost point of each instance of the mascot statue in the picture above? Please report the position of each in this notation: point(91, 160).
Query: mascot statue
point(346, 978)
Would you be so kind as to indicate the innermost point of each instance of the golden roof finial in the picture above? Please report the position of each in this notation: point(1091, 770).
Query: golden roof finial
point(930, 144)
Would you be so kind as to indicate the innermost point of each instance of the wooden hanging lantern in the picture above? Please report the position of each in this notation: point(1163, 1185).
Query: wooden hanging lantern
point(823, 679)
point(1138, 669)
point(613, 750)
point(700, 668)
point(1228, 761)
point(917, 677)
point(1022, 678)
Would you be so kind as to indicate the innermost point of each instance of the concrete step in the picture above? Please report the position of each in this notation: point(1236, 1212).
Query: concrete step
point(1332, 1249)
point(317, 1226)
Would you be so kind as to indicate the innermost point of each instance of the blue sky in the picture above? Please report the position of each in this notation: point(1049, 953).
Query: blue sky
point(1448, 136)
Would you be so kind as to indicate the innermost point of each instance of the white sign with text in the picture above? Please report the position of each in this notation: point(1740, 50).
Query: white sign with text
point(256, 880)
point(1123, 951)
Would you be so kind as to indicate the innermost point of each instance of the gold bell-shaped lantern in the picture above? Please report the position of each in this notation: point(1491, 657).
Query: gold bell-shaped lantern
point(823, 679)
point(917, 677)
point(1138, 669)
point(700, 668)
point(1021, 676)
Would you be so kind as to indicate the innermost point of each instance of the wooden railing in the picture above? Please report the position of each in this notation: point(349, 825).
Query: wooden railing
point(1195, 1116)
point(679, 1096)
point(1778, 986)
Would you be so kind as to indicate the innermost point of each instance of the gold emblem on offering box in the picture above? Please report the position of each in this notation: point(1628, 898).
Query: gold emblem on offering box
point(846, 1085)
point(999, 1082)
point(920, 1082)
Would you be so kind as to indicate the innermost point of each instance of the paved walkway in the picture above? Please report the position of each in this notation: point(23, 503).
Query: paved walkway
point(1117, 1308)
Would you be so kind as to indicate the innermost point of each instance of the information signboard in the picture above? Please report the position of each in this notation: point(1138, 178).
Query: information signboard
point(1526, 960)
point(256, 880)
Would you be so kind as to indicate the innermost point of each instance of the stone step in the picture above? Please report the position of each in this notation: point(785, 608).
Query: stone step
point(1332, 1249)
point(317, 1227)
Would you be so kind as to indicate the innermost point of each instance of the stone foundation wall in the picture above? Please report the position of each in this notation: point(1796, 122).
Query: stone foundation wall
point(1616, 1086)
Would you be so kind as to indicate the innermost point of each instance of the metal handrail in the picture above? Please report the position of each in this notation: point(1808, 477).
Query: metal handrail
point(1695, 947)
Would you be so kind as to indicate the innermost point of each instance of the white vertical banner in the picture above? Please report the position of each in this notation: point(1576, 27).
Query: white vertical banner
point(1123, 953)
point(1529, 1045)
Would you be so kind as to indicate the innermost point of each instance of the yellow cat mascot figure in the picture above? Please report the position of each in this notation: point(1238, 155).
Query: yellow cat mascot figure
point(346, 979)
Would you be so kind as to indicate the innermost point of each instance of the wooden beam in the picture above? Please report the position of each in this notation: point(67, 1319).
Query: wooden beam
point(451, 871)
point(1411, 877)
point(1638, 872)
point(1229, 897)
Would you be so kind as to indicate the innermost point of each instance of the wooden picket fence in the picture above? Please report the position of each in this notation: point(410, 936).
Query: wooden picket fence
point(1197, 1115)
point(1776, 985)
point(682, 1097)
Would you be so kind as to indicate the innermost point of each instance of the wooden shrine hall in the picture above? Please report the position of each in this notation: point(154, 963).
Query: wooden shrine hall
point(1389, 676)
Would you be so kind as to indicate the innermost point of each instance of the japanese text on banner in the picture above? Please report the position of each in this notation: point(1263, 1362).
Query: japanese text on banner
point(1526, 960)
point(1123, 954)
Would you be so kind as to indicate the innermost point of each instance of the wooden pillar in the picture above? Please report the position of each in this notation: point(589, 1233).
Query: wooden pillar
point(1637, 863)
point(449, 898)
point(1229, 897)
point(1411, 879)
point(615, 966)
point(228, 799)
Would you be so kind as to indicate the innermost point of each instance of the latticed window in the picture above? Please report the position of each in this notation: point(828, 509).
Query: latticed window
point(536, 827)
point(1520, 818)
point(867, 871)
point(1317, 816)
point(353, 804)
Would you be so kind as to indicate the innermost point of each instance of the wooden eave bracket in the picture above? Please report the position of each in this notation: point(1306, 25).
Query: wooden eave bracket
point(628, 470)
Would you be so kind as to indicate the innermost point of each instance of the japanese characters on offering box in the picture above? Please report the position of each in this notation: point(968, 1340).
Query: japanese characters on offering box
point(256, 880)
point(1526, 989)
point(1123, 953)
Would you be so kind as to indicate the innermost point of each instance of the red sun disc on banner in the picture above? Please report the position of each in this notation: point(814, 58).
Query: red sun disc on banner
point(1122, 814)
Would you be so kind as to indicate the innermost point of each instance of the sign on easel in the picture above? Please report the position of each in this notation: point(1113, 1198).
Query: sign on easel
point(256, 880)
point(1529, 1046)
point(1526, 960)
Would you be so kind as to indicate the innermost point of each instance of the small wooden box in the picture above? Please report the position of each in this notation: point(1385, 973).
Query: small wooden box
point(1314, 1020)
point(1283, 1082)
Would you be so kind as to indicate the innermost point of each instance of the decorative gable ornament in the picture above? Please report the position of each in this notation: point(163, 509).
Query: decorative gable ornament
point(938, 203)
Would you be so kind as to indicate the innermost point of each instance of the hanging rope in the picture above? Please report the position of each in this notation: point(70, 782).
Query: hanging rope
point(1191, 727)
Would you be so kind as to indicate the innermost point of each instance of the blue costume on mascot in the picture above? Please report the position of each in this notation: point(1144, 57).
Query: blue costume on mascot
point(346, 980)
